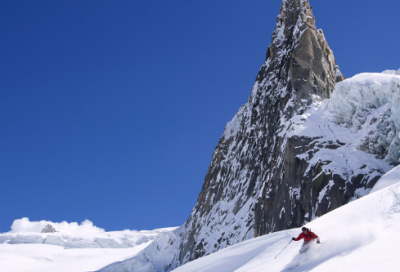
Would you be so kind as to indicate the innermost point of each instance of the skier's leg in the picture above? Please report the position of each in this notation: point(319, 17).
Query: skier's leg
point(304, 248)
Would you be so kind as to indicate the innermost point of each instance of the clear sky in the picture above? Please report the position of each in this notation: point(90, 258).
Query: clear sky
point(110, 110)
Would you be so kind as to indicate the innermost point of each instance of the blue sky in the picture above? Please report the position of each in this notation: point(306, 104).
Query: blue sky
point(110, 110)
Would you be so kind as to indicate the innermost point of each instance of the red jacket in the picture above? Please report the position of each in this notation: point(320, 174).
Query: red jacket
point(308, 237)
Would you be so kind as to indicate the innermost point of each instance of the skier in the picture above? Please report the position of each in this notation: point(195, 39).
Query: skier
point(308, 237)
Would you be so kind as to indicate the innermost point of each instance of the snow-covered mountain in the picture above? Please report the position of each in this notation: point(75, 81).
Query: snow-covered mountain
point(274, 168)
point(72, 247)
point(305, 143)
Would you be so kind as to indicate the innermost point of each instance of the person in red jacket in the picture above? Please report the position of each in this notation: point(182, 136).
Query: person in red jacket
point(308, 237)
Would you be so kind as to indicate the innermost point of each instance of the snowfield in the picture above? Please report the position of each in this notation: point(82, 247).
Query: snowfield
point(50, 258)
point(361, 236)
point(74, 247)
point(74, 235)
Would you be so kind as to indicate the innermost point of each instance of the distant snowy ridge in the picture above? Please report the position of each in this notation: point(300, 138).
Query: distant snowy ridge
point(74, 235)
point(72, 228)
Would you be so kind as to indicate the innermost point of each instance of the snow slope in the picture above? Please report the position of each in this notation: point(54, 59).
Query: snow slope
point(74, 247)
point(391, 178)
point(363, 235)
point(50, 258)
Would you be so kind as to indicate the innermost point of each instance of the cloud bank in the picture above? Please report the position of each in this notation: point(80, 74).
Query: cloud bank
point(73, 228)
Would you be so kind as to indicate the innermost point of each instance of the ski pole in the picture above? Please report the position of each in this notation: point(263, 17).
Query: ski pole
point(284, 249)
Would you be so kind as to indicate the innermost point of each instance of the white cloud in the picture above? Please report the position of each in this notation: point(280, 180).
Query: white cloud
point(73, 228)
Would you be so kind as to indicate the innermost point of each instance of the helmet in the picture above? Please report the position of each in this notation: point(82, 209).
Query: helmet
point(304, 228)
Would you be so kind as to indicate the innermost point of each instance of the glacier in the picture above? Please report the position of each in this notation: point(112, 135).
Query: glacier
point(370, 103)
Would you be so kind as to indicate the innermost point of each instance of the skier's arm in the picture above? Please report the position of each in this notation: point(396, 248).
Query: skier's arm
point(313, 235)
point(299, 238)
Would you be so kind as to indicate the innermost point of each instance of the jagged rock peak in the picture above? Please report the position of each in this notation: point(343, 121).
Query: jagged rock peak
point(299, 58)
point(253, 152)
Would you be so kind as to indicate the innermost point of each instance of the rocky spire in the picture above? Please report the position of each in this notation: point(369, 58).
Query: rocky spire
point(243, 192)
point(298, 58)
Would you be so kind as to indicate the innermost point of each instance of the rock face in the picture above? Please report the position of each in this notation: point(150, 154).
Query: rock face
point(255, 183)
